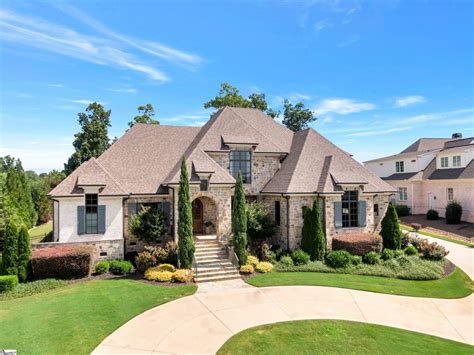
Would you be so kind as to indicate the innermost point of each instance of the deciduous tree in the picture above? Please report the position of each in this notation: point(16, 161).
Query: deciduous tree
point(296, 117)
point(145, 115)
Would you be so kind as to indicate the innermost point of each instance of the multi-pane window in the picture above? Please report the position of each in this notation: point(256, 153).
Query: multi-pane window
point(92, 217)
point(450, 194)
point(277, 213)
point(444, 162)
point(241, 161)
point(399, 166)
point(204, 185)
point(402, 194)
point(456, 161)
point(350, 213)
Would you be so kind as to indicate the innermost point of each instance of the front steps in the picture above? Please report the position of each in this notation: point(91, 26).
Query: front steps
point(212, 262)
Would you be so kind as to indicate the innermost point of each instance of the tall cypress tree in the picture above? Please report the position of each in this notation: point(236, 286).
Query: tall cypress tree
point(24, 253)
point(185, 221)
point(239, 222)
point(10, 249)
point(320, 236)
point(313, 240)
point(391, 234)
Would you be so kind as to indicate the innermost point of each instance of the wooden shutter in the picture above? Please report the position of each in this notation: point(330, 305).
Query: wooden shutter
point(101, 222)
point(362, 213)
point(338, 214)
point(81, 220)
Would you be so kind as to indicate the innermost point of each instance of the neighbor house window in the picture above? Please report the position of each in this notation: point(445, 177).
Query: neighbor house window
point(376, 210)
point(277, 213)
point(456, 161)
point(92, 217)
point(204, 185)
point(350, 213)
point(399, 167)
point(241, 161)
point(402, 193)
point(444, 162)
point(450, 194)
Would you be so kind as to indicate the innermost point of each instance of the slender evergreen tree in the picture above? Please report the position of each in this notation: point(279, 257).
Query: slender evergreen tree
point(239, 222)
point(10, 249)
point(313, 240)
point(391, 234)
point(185, 220)
point(320, 236)
point(24, 253)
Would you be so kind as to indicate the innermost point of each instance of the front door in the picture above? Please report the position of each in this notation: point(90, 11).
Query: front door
point(198, 223)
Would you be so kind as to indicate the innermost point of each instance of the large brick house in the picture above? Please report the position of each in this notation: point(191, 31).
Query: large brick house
point(430, 173)
point(285, 170)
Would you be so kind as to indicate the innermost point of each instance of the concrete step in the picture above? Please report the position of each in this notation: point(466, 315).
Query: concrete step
point(210, 259)
point(215, 265)
point(220, 253)
point(217, 273)
point(217, 278)
point(206, 270)
point(207, 251)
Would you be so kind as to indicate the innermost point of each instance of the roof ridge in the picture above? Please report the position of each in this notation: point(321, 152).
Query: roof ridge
point(109, 175)
point(255, 129)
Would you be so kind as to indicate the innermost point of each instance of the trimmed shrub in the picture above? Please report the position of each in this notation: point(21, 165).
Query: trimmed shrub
point(411, 250)
point(24, 254)
point(252, 260)
point(387, 254)
point(247, 269)
point(153, 274)
point(402, 210)
point(358, 243)
point(144, 261)
point(391, 233)
point(371, 258)
point(10, 248)
point(453, 213)
point(356, 260)
point(102, 267)
point(286, 261)
point(432, 215)
point(62, 262)
point(8, 282)
point(120, 267)
point(300, 257)
point(183, 276)
point(166, 267)
point(264, 267)
point(338, 259)
point(432, 251)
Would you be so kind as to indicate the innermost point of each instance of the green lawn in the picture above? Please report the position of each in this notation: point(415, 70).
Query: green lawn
point(39, 232)
point(75, 319)
point(438, 236)
point(456, 285)
point(337, 337)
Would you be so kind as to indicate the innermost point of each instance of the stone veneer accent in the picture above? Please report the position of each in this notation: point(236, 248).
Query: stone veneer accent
point(113, 248)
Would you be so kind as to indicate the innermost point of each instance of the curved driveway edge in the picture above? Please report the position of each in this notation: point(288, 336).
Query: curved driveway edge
point(203, 322)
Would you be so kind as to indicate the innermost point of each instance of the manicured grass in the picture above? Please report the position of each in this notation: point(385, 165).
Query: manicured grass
point(337, 337)
point(39, 232)
point(456, 285)
point(76, 318)
point(438, 236)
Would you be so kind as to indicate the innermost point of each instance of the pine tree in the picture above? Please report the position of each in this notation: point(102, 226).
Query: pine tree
point(313, 240)
point(239, 222)
point(391, 234)
point(24, 253)
point(185, 221)
point(10, 249)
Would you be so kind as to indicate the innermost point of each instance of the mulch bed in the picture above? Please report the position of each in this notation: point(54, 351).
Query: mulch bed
point(462, 231)
point(449, 268)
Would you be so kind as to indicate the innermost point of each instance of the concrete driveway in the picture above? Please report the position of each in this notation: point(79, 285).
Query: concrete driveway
point(203, 322)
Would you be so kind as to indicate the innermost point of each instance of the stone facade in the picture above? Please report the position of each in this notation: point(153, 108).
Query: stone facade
point(105, 249)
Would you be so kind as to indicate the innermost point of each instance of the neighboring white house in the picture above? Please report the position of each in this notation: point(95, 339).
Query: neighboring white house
point(430, 173)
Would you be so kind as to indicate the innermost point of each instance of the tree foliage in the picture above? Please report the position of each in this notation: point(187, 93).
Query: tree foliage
point(296, 117)
point(24, 254)
point(10, 249)
point(185, 221)
point(230, 96)
point(92, 140)
point(145, 115)
point(391, 234)
point(148, 225)
point(41, 185)
point(313, 240)
point(259, 223)
point(239, 222)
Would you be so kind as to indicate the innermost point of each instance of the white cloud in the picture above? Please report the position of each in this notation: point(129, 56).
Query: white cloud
point(378, 132)
point(56, 85)
point(447, 116)
point(83, 101)
point(126, 91)
point(342, 106)
point(185, 117)
point(409, 100)
point(321, 25)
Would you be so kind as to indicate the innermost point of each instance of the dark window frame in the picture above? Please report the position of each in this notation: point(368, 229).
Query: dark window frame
point(277, 213)
point(204, 185)
point(91, 213)
point(350, 209)
point(241, 160)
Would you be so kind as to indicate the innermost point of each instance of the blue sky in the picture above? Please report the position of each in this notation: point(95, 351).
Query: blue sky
point(378, 74)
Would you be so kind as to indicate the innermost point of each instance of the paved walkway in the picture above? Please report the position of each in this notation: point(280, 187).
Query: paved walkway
point(203, 322)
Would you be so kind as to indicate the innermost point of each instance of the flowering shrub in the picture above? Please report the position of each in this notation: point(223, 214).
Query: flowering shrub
point(432, 251)
point(183, 275)
point(144, 261)
point(62, 262)
point(247, 269)
point(166, 267)
point(264, 267)
point(358, 243)
point(252, 260)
